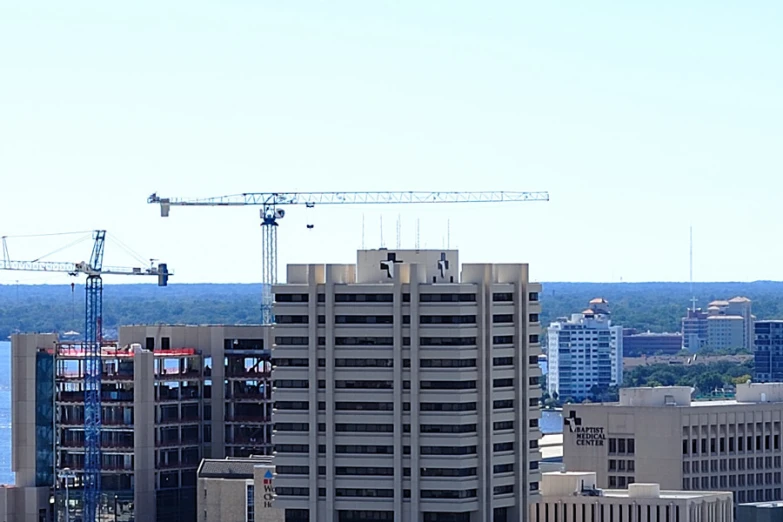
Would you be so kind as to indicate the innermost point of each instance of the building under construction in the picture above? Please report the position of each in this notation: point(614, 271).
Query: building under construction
point(160, 416)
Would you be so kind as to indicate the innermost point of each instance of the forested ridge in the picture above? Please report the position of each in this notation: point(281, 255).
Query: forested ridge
point(647, 306)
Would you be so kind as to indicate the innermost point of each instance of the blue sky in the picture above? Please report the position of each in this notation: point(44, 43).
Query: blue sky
point(640, 119)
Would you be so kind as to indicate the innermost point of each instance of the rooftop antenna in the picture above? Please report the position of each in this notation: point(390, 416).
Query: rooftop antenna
point(448, 234)
point(693, 297)
point(399, 231)
point(383, 245)
point(362, 231)
point(418, 232)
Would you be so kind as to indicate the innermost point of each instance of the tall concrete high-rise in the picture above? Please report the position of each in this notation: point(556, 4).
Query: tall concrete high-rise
point(160, 414)
point(406, 390)
point(584, 351)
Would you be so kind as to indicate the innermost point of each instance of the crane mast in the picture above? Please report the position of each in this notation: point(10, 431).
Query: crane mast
point(93, 313)
point(271, 213)
point(93, 338)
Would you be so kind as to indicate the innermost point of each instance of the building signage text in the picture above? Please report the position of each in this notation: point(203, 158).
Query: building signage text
point(589, 436)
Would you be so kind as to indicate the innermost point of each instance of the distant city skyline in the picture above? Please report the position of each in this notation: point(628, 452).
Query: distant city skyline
point(639, 119)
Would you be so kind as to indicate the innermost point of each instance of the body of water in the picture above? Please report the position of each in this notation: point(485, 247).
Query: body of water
point(6, 477)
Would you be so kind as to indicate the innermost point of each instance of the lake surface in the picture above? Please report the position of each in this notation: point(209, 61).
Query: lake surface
point(6, 477)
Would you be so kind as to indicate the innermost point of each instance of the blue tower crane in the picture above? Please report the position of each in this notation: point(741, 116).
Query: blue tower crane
point(94, 270)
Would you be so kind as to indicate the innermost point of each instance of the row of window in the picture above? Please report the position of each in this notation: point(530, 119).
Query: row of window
point(406, 406)
point(443, 494)
point(732, 444)
point(622, 446)
point(406, 341)
point(406, 319)
point(497, 297)
point(342, 471)
point(621, 465)
point(386, 406)
point(406, 363)
point(389, 428)
point(605, 512)
point(355, 449)
point(732, 464)
point(732, 481)
point(302, 384)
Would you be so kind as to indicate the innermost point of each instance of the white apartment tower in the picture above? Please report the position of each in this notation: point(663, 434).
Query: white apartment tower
point(584, 351)
point(405, 390)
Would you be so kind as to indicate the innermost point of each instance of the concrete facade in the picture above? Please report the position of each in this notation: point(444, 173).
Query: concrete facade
point(660, 435)
point(575, 497)
point(237, 489)
point(406, 390)
point(584, 351)
point(160, 413)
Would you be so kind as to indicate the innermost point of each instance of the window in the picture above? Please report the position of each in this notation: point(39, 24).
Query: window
point(363, 319)
point(364, 341)
point(447, 298)
point(447, 319)
point(291, 341)
point(503, 339)
point(532, 297)
point(447, 341)
point(291, 319)
point(503, 297)
point(502, 383)
point(292, 298)
point(502, 318)
point(363, 298)
point(503, 403)
point(505, 361)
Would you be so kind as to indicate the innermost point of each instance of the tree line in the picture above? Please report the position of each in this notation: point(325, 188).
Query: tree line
point(657, 307)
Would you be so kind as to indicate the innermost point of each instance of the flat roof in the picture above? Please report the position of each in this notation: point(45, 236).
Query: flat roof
point(231, 468)
point(623, 493)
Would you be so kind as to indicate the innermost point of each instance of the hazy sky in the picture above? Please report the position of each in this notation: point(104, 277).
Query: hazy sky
point(639, 118)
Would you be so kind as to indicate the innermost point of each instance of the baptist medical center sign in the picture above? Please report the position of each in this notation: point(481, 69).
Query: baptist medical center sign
point(585, 435)
point(589, 436)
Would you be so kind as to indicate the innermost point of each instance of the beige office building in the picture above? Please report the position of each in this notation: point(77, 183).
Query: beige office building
point(160, 416)
point(575, 497)
point(237, 489)
point(660, 435)
point(406, 390)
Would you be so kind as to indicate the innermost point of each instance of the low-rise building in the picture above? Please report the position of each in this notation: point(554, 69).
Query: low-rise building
point(659, 435)
point(760, 512)
point(650, 343)
point(575, 497)
point(240, 489)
